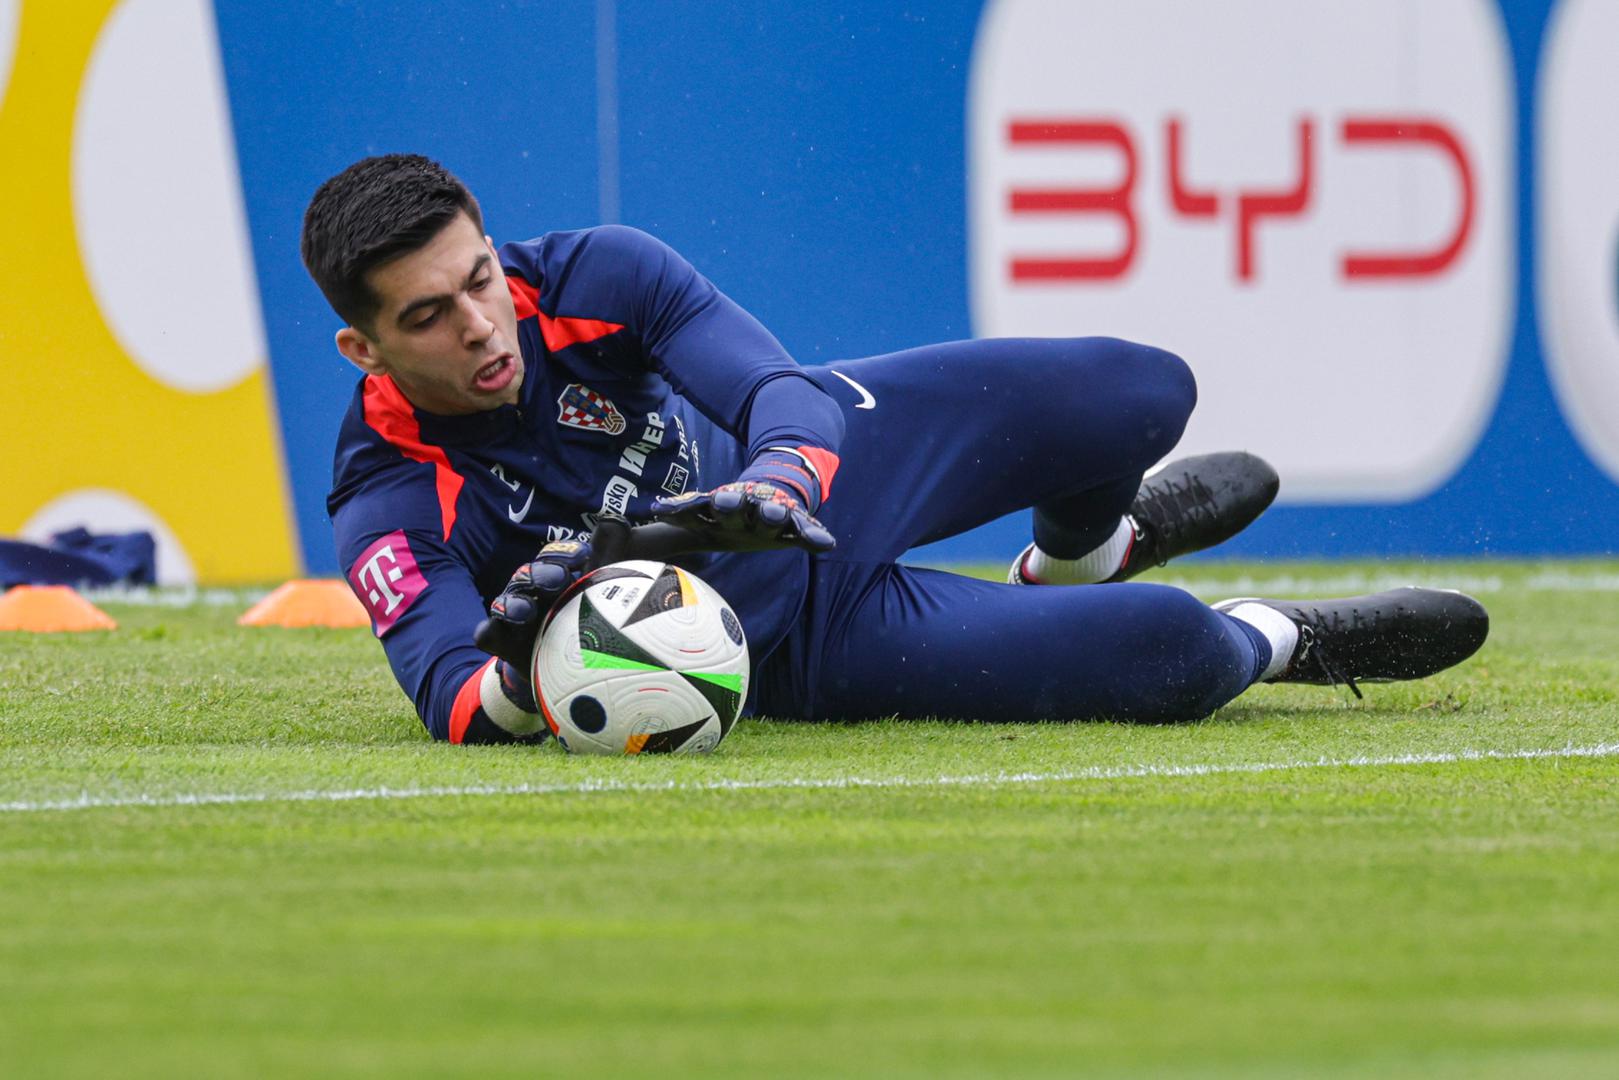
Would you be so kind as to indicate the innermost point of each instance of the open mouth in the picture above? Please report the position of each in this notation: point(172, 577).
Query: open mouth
point(496, 374)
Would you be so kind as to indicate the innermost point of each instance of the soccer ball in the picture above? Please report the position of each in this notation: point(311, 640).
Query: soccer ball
point(641, 658)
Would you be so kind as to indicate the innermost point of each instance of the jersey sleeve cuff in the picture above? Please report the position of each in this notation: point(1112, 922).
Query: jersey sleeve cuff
point(483, 704)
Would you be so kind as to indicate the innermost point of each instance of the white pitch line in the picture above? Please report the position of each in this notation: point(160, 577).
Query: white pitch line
point(87, 801)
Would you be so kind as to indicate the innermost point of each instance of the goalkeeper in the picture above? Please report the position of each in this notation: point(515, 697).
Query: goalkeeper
point(512, 395)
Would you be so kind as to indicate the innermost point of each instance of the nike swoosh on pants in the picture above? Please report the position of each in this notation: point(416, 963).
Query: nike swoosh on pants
point(866, 400)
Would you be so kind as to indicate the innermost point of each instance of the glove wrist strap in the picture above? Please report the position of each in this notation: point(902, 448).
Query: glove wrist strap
point(791, 468)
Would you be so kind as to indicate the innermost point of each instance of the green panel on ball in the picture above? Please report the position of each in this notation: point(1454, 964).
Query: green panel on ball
point(594, 659)
point(722, 692)
point(731, 682)
point(597, 635)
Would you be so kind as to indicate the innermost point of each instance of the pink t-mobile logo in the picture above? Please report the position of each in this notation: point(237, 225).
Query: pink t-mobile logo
point(387, 580)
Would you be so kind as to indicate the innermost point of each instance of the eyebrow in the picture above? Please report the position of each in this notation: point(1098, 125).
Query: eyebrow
point(434, 301)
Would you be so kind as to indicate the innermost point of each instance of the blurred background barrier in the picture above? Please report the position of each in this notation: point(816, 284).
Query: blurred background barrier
point(1383, 233)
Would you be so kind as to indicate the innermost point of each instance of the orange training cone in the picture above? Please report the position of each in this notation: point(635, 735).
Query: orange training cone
point(50, 609)
point(303, 602)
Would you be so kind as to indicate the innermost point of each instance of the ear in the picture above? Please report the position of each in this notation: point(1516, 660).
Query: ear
point(361, 351)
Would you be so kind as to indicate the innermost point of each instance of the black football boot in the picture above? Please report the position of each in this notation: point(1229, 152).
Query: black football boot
point(1405, 633)
point(1195, 503)
point(1189, 505)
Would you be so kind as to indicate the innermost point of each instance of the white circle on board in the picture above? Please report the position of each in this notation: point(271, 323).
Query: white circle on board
point(157, 198)
point(105, 511)
point(1577, 215)
point(10, 10)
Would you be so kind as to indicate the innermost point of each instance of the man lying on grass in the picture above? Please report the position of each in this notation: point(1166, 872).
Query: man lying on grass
point(512, 394)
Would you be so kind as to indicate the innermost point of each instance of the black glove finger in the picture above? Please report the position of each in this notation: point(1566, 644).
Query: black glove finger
point(573, 554)
point(512, 625)
point(511, 642)
point(678, 505)
point(516, 609)
point(692, 511)
point(771, 514)
point(609, 540)
point(548, 579)
point(518, 613)
point(531, 582)
point(728, 500)
point(754, 516)
point(812, 534)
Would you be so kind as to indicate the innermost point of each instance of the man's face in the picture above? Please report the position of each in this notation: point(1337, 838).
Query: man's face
point(446, 330)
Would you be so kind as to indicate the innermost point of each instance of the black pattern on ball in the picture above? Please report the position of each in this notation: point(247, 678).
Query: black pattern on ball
point(733, 628)
point(587, 714)
point(665, 594)
point(596, 634)
point(667, 742)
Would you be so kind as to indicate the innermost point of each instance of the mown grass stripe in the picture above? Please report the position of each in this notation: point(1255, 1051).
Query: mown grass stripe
point(89, 801)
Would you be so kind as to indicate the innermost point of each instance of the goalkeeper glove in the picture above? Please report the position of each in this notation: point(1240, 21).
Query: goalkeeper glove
point(517, 615)
point(768, 506)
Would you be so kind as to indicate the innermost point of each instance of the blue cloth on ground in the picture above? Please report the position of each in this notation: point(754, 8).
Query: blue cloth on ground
point(80, 557)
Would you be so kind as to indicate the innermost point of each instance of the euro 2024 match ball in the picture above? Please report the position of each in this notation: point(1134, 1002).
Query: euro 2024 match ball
point(641, 658)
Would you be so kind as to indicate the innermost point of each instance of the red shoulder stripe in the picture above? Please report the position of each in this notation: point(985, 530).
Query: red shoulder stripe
point(390, 415)
point(558, 333)
point(525, 297)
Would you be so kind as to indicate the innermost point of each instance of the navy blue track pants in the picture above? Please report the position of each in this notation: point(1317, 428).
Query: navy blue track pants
point(944, 438)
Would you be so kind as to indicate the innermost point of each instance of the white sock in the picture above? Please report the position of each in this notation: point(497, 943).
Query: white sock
point(1279, 630)
point(1098, 564)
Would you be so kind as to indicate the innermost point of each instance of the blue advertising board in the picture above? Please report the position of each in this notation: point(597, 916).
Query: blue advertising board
point(815, 164)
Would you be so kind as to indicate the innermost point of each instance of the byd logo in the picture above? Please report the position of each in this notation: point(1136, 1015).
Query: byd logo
point(1241, 209)
point(1312, 203)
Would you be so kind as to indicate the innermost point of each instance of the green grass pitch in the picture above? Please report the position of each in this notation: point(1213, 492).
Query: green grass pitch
point(231, 852)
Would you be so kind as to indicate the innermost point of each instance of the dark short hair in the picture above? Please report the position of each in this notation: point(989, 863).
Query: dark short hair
point(373, 211)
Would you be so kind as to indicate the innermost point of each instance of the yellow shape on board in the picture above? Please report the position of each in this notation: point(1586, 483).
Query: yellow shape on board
point(75, 410)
